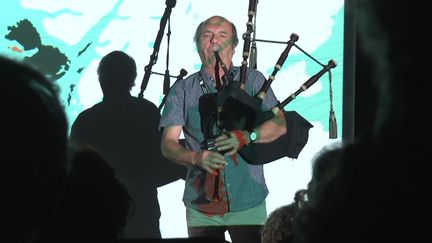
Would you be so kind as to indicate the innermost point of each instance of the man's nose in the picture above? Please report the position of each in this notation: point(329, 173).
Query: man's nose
point(214, 40)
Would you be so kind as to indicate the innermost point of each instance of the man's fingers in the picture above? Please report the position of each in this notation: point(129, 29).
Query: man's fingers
point(230, 143)
point(232, 151)
point(224, 147)
point(222, 138)
point(217, 159)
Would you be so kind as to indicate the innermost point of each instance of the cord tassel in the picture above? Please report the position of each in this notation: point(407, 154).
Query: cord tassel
point(332, 125)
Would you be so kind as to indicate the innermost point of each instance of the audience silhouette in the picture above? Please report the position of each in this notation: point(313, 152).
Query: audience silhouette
point(279, 225)
point(34, 164)
point(125, 129)
point(324, 166)
point(376, 191)
point(96, 204)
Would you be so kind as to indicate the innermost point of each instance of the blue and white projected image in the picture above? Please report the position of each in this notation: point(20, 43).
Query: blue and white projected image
point(66, 40)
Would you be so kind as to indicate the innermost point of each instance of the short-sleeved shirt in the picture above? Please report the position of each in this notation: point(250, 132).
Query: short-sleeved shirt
point(242, 186)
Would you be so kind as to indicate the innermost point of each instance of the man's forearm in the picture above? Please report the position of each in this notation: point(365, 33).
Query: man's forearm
point(174, 151)
point(271, 129)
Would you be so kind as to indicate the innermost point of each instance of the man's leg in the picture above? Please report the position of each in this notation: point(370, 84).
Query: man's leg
point(207, 231)
point(245, 233)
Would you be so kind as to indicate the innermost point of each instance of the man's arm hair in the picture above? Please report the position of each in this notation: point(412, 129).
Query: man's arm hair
point(272, 129)
point(172, 149)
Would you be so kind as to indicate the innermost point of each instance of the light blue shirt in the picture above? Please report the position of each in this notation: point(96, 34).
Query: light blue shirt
point(242, 186)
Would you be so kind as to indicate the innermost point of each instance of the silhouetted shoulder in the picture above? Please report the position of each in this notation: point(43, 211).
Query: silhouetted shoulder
point(146, 104)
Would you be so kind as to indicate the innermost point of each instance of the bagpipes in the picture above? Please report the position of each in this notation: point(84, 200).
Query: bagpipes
point(232, 108)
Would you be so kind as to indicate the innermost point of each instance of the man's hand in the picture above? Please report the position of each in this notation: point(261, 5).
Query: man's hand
point(209, 161)
point(232, 141)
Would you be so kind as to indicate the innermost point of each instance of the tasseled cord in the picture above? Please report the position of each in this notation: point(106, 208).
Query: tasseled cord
point(332, 118)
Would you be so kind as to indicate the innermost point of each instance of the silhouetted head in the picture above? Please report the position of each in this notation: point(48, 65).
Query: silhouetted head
point(300, 198)
point(33, 164)
point(96, 204)
point(279, 226)
point(117, 73)
point(324, 166)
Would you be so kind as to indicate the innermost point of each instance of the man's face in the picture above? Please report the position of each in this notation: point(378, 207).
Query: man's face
point(216, 36)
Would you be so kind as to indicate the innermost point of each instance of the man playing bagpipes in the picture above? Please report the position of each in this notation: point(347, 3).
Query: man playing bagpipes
point(222, 191)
